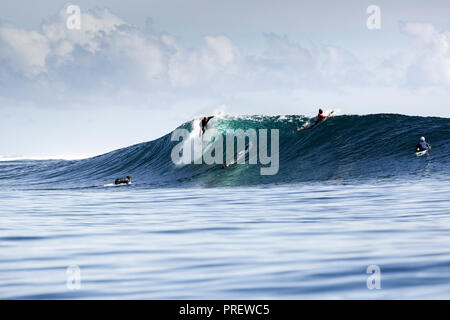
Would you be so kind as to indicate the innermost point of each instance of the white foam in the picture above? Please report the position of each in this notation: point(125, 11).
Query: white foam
point(193, 139)
point(116, 185)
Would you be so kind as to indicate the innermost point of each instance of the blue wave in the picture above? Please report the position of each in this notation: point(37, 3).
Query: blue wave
point(345, 148)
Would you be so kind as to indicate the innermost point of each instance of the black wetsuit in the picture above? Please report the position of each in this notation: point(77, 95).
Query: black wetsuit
point(122, 181)
point(205, 122)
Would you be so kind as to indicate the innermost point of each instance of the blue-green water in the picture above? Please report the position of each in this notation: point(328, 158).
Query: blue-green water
point(200, 232)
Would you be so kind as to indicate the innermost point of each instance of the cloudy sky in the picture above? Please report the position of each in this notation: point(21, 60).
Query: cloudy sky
point(135, 70)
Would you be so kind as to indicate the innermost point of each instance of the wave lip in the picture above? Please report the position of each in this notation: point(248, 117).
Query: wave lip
point(346, 148)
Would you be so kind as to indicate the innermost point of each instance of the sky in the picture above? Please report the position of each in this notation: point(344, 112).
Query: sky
point(135, 70)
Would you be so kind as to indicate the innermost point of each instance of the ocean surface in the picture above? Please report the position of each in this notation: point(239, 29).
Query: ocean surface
point(350, 196)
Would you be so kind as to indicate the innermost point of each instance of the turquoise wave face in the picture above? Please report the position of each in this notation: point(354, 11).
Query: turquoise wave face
point(342, 149)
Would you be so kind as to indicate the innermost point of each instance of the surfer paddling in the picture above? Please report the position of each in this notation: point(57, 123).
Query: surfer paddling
point(204, 122)
point(126, 180)
point(320, 118)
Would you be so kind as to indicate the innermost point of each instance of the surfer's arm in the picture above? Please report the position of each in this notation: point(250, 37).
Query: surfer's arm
point(324, 117)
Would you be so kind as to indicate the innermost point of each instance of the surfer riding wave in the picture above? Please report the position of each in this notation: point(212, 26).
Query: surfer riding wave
point(320, 118)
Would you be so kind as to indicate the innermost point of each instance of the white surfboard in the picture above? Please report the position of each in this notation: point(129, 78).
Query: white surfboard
point(421, 153)
point(116, 185)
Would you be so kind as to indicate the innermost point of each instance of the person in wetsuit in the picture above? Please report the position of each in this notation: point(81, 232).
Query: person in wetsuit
point(422, 145)
point(321, 117)
point(126, 180)
point(204, 122)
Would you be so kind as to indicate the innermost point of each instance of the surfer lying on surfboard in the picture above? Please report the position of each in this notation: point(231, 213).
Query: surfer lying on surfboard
point(126, 180)
point(320, 118)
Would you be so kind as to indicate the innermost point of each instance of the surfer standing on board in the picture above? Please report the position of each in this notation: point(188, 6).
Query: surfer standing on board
point(204, 122)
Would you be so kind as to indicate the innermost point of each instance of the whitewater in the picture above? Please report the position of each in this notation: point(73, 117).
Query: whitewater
point(349, 194)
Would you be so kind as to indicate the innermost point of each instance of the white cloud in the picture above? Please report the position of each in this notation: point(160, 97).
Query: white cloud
point(186, 68)
point(341, 67)
point(428, 36)
point(106, 57)
point(431, 65)
point(25, 51)
point(286, 64)
point(111, 61)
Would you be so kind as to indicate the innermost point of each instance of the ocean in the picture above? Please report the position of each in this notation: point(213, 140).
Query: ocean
point(352, 213)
